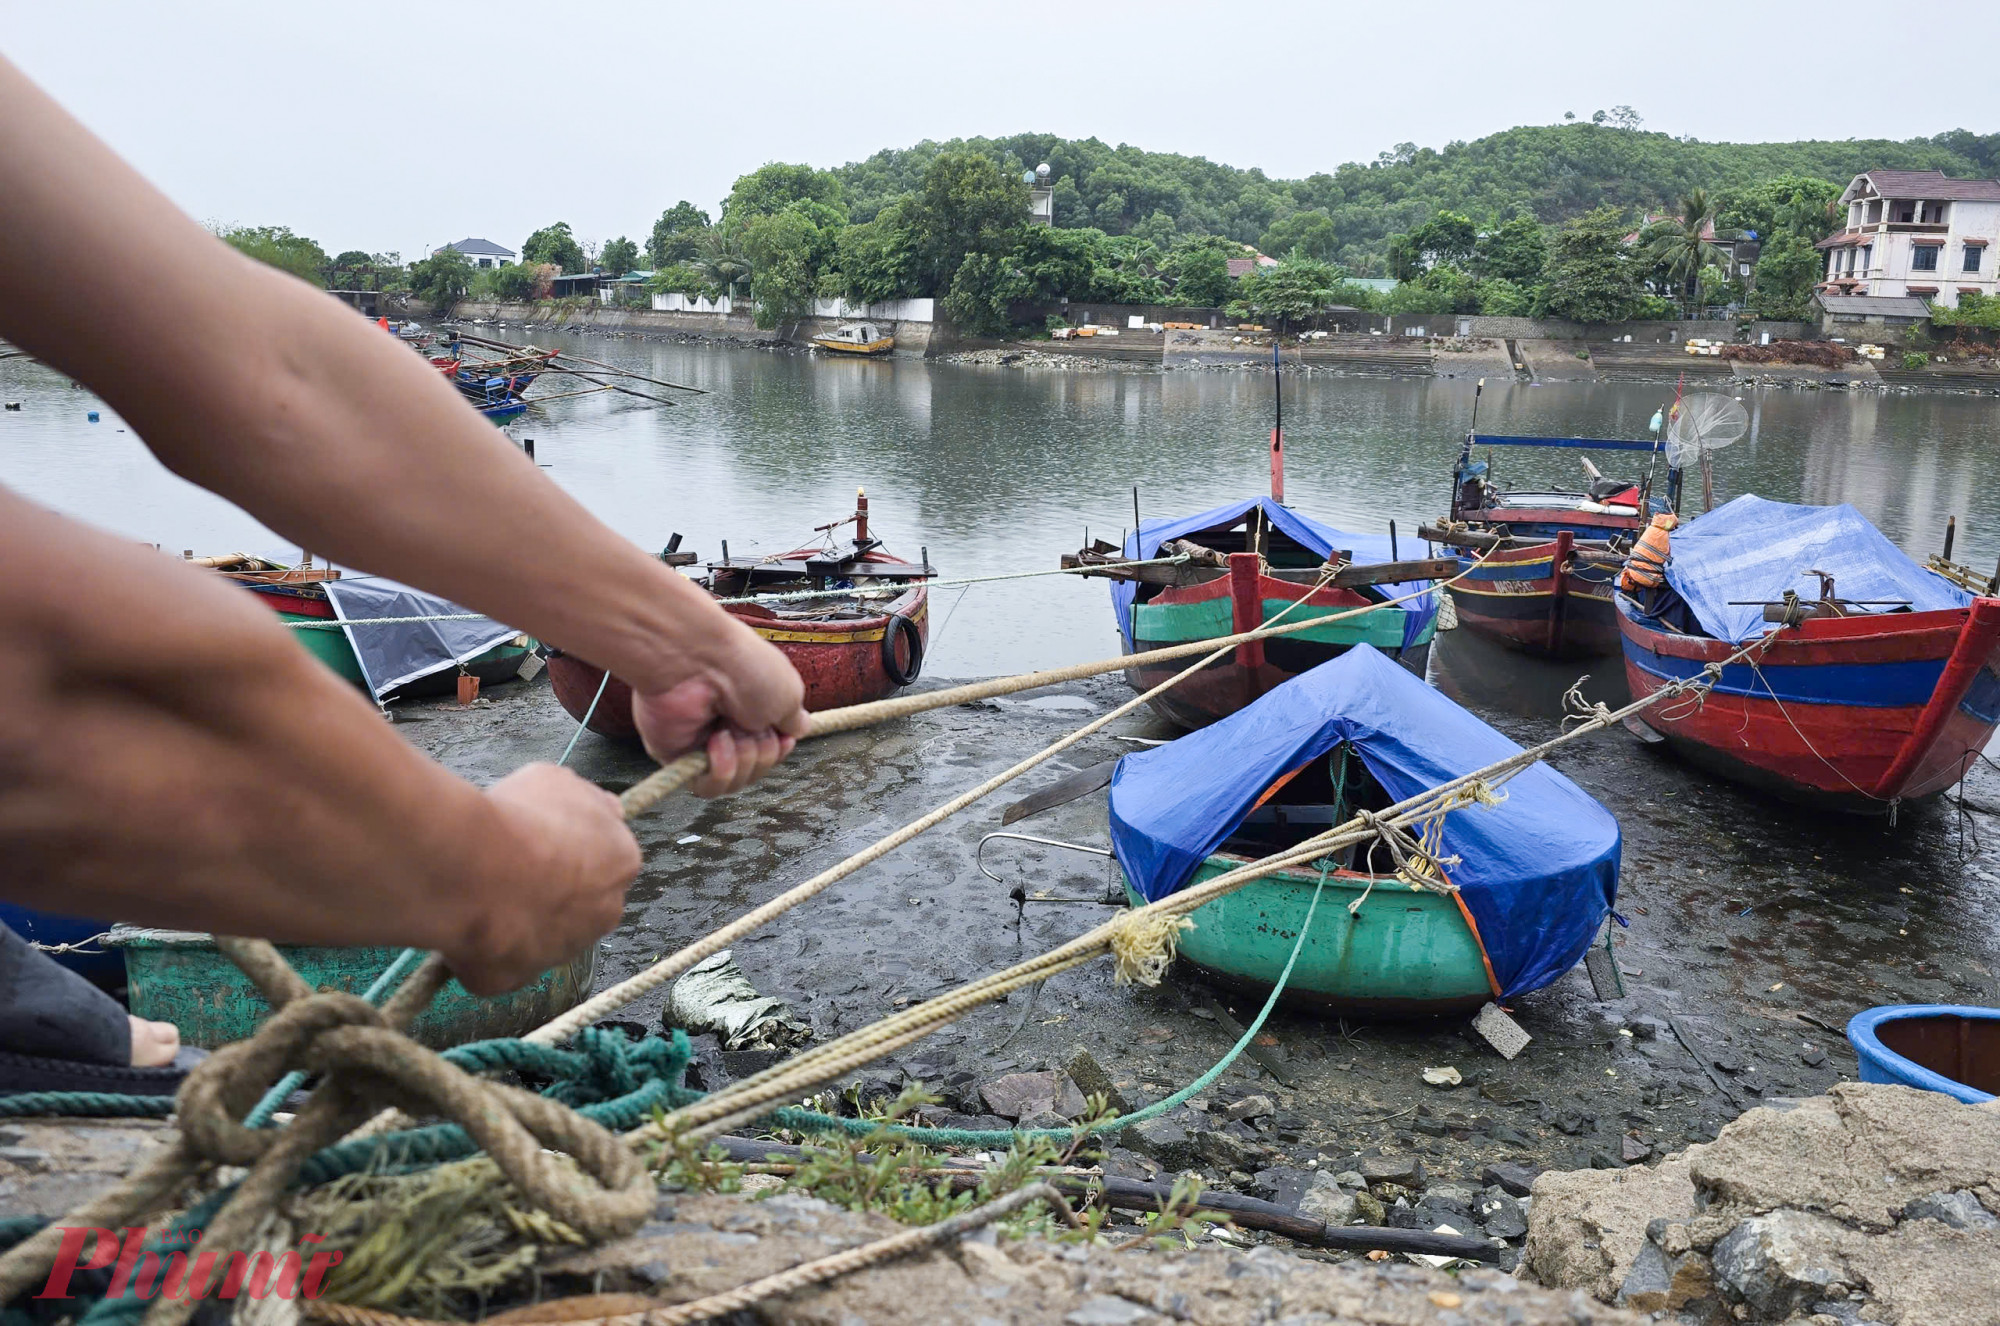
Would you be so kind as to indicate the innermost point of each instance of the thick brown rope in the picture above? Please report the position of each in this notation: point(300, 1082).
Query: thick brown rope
point(784, 1282)
point(363, 1062)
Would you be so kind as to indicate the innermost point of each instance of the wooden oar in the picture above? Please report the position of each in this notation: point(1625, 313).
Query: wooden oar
point(1061, 792)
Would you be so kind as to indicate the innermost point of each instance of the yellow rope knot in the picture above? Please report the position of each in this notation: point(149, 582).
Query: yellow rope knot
point(1143, 944)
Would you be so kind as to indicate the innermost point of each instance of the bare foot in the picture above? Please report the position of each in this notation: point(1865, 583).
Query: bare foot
point(154, 1044)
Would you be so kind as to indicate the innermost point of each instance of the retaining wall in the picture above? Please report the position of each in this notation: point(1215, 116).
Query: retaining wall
point(911, 337)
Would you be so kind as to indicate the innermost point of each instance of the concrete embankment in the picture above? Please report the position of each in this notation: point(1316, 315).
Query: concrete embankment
point(911, 337)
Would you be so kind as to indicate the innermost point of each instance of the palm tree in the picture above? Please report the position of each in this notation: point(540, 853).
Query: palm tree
point(1683, 245)
point(721, 263)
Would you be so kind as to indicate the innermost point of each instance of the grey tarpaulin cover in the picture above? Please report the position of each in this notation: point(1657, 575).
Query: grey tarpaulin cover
point(390, 656)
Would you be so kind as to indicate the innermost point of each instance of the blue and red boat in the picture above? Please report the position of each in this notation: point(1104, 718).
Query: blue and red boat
point(1877, 680)
point(1536, 568)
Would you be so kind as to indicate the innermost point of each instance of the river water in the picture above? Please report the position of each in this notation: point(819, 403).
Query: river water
point(999, 469)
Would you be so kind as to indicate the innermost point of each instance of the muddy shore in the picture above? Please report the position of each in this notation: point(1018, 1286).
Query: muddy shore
point(1755, 932)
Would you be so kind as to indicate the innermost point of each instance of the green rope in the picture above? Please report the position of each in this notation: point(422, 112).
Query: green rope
point(392, 975)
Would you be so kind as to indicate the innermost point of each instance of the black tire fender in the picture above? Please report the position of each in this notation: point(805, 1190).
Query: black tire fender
point(899, 625)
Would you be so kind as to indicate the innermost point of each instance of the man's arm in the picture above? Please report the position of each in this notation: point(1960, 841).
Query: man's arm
point(255, 386)
point(169, 756)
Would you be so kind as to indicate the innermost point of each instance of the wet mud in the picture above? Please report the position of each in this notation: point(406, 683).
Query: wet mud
point(1755, 929)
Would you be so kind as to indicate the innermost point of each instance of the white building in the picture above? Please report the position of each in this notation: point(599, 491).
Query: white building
point(1915, 232)
point(482, 252)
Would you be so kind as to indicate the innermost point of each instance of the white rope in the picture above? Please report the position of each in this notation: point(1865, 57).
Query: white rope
point(766, 598)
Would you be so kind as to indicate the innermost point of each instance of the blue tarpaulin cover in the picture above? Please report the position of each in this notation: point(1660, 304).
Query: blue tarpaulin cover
point(1322, 539)
point(1752, 550)
point(1537, 872)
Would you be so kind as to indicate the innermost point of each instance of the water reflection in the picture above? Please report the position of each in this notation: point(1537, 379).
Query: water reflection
point(999, 469)
point(1482, 675)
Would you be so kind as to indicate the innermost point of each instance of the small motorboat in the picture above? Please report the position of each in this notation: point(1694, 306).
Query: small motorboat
point(1533, 879)
point(1536, 568)
point(1952, 1048)
point(1247, 562)
point(864, 641)
point(1878, 680)
point(857, 338)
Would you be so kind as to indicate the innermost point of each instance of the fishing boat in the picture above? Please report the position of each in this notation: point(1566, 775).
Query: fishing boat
point(1528, 882)
point(415, 659)
point(861, 636)
point(1536, 567)
point(857, 338)
point(1877, 680)
point(1952, 1048)
point(180, 976)
point(1242, 565)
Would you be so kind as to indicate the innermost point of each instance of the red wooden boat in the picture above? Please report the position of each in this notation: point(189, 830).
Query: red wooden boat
point(1850, 713)
point(863, 644)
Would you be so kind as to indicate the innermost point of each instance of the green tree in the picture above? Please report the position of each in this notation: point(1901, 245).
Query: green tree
point(1502, 298)
point(967, 205)
point(441, 279)
point(1974, 310)
point(1199, 270)
point(1788, 269)
point(1310, 233)
point(982, 291)
point(877, 258)
point(620, 256)
point(1590, 275)
point(1786, 204)
point(680, 278)
point(1683, 246)
point(772, 188)
point(1448, 238)
point(676, 233)
point(555, 246)
point(784, 249)
point(277, 246)
point(1515, 251)
point(723, 264)
point(1293, 291)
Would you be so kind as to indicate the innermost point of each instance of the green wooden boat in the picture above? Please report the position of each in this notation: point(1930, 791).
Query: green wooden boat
point(179, 976)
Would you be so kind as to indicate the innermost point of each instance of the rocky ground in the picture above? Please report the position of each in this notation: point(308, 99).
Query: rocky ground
point(1754, 933)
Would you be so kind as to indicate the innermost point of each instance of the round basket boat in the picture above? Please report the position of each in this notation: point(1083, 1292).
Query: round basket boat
point(1952, 1048)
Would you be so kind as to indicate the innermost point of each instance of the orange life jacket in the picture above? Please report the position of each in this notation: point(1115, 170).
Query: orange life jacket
point(1646, 567)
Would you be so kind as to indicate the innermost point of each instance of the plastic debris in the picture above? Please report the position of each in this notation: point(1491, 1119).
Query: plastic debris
point(687, 838)
point(714, 995)
point(1443, 1077)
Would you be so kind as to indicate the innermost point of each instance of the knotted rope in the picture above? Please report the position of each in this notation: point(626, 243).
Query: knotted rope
point(363, 1062)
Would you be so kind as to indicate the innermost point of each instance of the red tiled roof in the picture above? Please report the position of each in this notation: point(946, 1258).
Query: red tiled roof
point(1931, 184)
point(1846, 239)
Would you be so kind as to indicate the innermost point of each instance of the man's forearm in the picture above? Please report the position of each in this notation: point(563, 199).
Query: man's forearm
point(168, 755)
point(258, 387)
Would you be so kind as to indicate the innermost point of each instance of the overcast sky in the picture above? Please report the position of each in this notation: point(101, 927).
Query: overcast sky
point(404, 126)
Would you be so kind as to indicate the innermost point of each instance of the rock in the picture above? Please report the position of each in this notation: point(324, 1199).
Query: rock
point(1091, 1079)
point(705, 1068)
point(1251, 1107)
point(1507, 1136)
point(1863, 1151)
point(1501, 1217)
point(1285, 1186)
point(1405, 1170)
point(1586, 1226)
point(1047, 1120)
point(1369, 1208)
point(1960, 1210)
point(748, 1063)
point(1780, 1262)
point(1351, 1178)
point(1632, 1149)
point(1660, 1282)
point(1019, 1095)
point(1442, 1077)
point(1517, 1179)
point(1164, 1140)
point(1225, 1150)
point(1123, 1164)
point(27, 1158)
point(10, 1135)
point(1326, 1201)
point(1109, 1310)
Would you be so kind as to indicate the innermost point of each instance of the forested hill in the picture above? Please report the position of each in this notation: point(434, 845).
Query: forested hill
point(1551, 173)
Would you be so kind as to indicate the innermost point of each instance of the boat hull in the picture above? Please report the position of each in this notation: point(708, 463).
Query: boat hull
point(841, 662)
point(1516, 598)
point(1852, 714)
point(1949, 1048)
point(881, 345)
point(1217, 608)
point(181, 977)
point(1404, 953)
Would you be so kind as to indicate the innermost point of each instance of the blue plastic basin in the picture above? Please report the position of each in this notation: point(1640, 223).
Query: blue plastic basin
point(1952, 1048)
point(106, 966)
